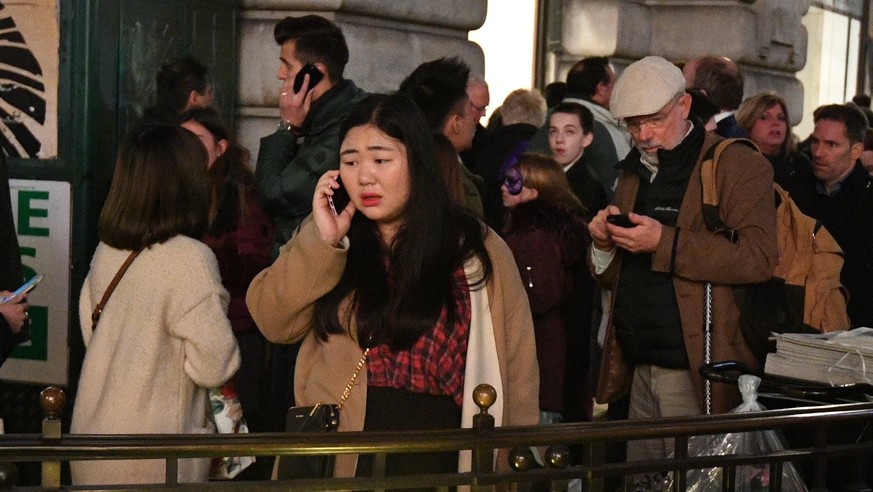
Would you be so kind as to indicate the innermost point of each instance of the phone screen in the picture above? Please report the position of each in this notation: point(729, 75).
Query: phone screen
point(25, 288)
point(315, 77)
point(340, 198)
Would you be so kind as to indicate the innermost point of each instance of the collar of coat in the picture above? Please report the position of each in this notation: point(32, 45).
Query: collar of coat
point(685, 153)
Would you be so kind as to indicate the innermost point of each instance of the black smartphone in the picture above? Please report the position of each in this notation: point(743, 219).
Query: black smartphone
point(620, 220)
point(315, 77)
point(340, 198)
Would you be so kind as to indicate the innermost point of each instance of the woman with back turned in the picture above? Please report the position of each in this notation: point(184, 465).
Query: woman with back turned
point(162, 337)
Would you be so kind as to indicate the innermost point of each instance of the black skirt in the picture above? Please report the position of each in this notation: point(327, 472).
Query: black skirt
point(390, 409)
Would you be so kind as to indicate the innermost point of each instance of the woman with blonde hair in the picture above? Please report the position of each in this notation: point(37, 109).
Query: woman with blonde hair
point(765, 118)
point(548, 238)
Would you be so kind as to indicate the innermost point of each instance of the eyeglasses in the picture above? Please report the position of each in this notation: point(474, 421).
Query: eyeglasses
point(480, 109)
point(654, 122)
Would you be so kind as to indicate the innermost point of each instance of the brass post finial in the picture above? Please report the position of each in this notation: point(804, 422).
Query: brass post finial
point(521, 459)
point(52, 401)
point(484, 395)
point(558, 456)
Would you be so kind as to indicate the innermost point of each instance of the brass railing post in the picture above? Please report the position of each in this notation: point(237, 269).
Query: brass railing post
point(52, 401)
point(484, 395)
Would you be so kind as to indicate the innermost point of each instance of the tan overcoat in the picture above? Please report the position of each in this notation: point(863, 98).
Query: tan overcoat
point(694, 256)
point(282, 297)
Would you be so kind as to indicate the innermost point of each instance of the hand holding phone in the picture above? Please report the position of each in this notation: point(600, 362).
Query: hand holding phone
point(315, 77)
point(25, 288)
point(339, 199)
point(620, 220)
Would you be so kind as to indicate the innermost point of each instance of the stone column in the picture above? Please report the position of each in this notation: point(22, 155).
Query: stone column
point(765, 37)
point(387, 39)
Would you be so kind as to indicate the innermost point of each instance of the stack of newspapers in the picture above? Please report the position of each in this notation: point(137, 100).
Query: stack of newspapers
point(836, 358)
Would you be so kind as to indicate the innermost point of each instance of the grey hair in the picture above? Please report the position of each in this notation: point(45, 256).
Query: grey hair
point(524, 106)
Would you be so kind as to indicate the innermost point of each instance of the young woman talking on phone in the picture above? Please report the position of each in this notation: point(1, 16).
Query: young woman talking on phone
point(431, 292)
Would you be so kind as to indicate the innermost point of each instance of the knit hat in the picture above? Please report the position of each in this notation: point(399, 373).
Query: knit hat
point(645, 87)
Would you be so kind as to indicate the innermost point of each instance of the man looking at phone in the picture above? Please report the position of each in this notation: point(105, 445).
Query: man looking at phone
point(658, 267)
point(314, 99)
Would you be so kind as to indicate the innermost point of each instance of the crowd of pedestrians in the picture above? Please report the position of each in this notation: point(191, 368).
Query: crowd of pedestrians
point(559, 254)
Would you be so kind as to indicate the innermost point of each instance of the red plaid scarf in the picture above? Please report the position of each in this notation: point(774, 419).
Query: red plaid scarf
point(435, 364)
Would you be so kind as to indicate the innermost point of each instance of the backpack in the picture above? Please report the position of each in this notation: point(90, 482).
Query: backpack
point(804, 295)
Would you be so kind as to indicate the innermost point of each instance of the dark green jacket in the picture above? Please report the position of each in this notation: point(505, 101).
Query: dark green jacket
point(288, 167)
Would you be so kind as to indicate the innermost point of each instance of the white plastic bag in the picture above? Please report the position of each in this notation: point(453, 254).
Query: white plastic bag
point(750, 478)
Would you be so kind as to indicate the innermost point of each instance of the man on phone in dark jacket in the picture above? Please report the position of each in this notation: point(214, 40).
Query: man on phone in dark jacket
point(306, 143)
point(303, 147)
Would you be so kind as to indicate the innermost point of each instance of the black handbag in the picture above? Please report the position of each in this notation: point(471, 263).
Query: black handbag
point(319, 418)
point(323, 417)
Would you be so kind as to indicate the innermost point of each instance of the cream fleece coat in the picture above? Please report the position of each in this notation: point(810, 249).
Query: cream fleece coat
point(162, 338)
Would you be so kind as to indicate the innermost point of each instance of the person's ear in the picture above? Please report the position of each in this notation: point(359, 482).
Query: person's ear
point(323, 69)
point(192, 99)
point(222, 146)
point(855, 151)
point(454, 124)
point(685, 104)
point(602, 89)
point(534, 194)
point(587, 138)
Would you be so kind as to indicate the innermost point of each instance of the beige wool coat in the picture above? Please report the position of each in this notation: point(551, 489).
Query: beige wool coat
point(162, 339)
point(501, 347)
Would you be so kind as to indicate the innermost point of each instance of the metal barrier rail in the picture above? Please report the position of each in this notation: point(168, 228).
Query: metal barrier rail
point(51, 448)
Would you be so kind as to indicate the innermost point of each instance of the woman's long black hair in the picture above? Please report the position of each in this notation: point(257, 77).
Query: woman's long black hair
point(398, 290)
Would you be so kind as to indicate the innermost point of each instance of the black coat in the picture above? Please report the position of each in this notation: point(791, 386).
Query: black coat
point(588, 190)
point(497, 147)
point(729, 128)
point(10, 260)
point(847, 216)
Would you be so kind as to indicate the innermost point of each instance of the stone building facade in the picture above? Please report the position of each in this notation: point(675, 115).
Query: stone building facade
point(388, 39)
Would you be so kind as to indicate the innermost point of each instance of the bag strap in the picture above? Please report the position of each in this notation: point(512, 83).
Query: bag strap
point(709, 190)
point(95, 316)
point(348, 391)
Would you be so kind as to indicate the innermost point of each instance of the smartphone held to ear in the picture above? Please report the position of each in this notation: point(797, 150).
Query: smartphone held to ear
point(340, 198)
point(315, 77)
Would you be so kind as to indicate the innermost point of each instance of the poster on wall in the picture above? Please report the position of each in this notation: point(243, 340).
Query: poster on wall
point(29, 45)
point(42, 220)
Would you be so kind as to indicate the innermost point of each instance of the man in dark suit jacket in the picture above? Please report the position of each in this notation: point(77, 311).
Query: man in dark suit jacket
point(722, 82)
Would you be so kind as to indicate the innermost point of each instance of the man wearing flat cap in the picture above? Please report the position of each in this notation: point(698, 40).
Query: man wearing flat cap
point(658, 268)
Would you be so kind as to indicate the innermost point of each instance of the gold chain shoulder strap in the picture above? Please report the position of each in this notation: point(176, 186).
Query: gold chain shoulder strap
point(348, 391)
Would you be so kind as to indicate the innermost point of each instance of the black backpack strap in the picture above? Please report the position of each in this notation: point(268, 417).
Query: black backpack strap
point(711, 215)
